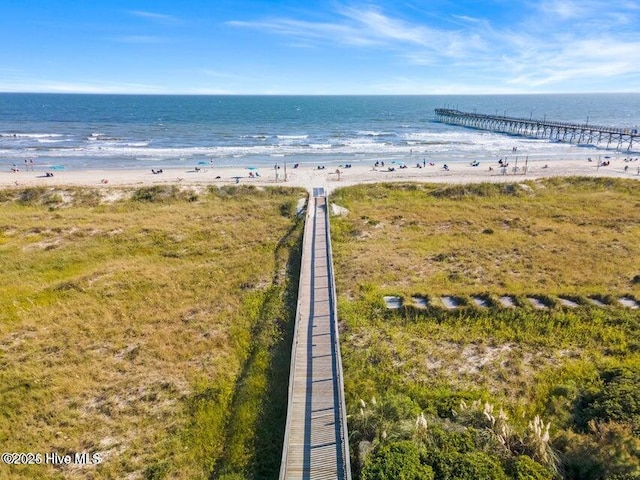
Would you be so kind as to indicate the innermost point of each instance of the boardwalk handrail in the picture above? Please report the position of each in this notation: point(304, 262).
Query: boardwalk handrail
point(294, 343)
point(334, 309)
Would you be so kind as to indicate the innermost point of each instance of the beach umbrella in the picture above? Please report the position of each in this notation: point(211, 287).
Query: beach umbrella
point(252, 168)
point(202, 163)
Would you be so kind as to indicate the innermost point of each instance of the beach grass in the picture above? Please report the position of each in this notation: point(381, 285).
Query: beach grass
point(149, 325)
point(571, 238)
point(558, 236)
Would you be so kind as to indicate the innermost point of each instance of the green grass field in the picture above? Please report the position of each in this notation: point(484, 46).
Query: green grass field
point(152, 326)
point(578, 369)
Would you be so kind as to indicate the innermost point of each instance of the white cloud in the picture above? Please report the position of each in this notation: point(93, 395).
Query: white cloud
point(553, 46)
point(321, 32)
point(362, 28)
point(155, 17)
point(56, 86)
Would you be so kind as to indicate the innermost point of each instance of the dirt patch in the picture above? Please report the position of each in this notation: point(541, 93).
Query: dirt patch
point(475, 357)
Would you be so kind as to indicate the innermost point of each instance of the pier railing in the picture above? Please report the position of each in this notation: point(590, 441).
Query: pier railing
point(581, 133)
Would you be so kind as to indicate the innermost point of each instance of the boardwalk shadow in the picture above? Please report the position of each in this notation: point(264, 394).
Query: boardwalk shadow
point(266, 447)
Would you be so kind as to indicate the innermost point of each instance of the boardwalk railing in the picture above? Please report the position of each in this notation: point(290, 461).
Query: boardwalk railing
point(614, 137)
point(334, 309)
point(316, 441)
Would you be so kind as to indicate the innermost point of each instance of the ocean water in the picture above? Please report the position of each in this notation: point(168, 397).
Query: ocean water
point(139, 131)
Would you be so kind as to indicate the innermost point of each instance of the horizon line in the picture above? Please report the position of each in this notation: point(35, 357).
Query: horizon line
point(150, 94)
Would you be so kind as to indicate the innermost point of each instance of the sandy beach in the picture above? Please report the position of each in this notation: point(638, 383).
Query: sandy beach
point(308, 177)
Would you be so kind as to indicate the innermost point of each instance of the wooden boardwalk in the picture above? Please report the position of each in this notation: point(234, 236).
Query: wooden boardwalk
point(316, 443)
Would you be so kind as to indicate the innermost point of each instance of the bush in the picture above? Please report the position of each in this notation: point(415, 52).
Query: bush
point(465, 466)
point(476, 465)
point(525, 468)
point(609, 451)
point(396, 461)
point(616, 399)
point(457, 441)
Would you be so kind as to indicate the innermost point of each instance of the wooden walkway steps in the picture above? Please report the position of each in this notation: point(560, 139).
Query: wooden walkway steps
point(316, 443)
point(586, 134)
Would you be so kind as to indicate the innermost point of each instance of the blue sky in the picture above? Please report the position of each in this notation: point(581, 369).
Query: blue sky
point(314, 47)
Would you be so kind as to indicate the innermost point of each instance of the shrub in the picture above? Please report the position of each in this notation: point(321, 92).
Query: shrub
point(456, 441)
point(465, 466)
point(610, 451)
point(153, 194)
point(396, 461)
point(525, 468)
point(616, 399)
point(476, 465)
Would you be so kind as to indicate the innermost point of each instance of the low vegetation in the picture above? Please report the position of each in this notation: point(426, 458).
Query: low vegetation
point(488, 391)
point(151, 326)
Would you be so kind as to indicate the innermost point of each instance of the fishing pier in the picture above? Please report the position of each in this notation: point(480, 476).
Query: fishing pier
point(582, 134)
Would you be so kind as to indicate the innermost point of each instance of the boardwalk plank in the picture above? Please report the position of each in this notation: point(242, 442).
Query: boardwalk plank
point(316, 441)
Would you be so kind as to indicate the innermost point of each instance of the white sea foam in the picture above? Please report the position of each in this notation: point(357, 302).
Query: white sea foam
point(30, 135)
point(489, 146)
point(373, 133)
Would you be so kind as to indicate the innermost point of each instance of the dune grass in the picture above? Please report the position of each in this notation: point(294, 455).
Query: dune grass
point(547, 236)
point(576, 238)
point(152, 326)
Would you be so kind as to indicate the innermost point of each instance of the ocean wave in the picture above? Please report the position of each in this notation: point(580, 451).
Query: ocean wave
point(101, 151)
point(31, 135)
point(52, 140)
point(102, 138)
point(373, 133)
